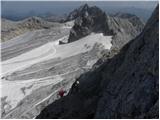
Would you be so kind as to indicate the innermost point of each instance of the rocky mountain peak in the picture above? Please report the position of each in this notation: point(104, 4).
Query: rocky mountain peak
point(88, 19)
point(92, 19)
point(83, 10)
point(84, 7)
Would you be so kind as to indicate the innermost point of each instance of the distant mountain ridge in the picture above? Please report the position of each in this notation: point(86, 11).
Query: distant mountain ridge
point(12, 29)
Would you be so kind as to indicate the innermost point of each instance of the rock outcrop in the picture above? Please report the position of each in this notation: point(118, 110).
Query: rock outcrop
point(135, 21)
point(92, 19)
point(77, 12)
point(89, 19)
point(125, 86)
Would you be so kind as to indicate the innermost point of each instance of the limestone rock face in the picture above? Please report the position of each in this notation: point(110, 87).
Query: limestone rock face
point(92, 19)
point(89, 19)
point(130, 82)
point(125, 86)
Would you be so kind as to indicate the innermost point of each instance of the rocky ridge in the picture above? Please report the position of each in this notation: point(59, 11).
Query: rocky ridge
point(11, 29)
point(93, 19)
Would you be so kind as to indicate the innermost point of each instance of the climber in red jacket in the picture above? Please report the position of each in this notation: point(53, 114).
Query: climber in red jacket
point(61, 93)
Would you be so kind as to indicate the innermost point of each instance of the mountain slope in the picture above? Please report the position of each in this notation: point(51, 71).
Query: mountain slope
point(92, 19)
point(12, 29)
point(125, 86)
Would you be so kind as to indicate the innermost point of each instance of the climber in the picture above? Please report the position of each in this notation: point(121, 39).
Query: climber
point(76, 87)
point(61, 93)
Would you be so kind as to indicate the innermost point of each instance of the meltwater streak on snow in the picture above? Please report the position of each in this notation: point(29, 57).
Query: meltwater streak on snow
point(53, 50)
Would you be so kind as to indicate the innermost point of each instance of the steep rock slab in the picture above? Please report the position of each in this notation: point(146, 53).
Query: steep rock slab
point(130, 80)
